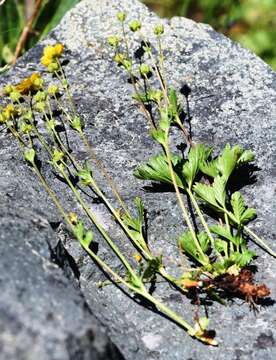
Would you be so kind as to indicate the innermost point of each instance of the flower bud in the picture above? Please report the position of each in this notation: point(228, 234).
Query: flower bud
point(119, 58)
point(53, 67)
point(52, 89)
point(144, 69)
point(158, 29)
point(135, 25)
point(40, 96)
point(15, 96)
point(40, 106)
point(113, 40)
point(121, 16)
point(8, 89)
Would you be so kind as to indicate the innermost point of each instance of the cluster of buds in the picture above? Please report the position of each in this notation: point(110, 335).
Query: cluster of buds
point(7, 113)
point(50, 57)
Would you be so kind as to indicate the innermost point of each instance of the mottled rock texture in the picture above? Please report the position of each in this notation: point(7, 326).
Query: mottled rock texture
point(232, 96)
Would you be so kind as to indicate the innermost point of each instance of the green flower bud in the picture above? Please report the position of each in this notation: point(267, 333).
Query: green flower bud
point(29, 155)
point(8, 89)
point(40, 96)
point(65, 84)
point(57, 156)
point(113, 40)
point(52, 89)
point(37, 83)
point(119, 58)
point(144, 69)
point(51, 124)
point(76, 124)
point(127, 65)
point(135, 25)
point(25, 128)
point(40, 106)
point(28, 115)
point(53, 67)
point(158, 29)
point(15, 96)
point(121, 16)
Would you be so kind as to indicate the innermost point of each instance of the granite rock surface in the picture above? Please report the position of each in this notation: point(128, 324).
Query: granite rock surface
point(231, 98)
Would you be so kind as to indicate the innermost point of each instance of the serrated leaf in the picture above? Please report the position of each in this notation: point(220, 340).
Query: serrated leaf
point(222, 231)
point(157, 169)
point(221, 246)
point(205, 192)
point(248, 215)
point(246, 156)
point(186, 243)
point(203, 240)
point(158, 135)
point(226, 162)
point(242, 259)
point(238, 206)
point(191, 166)
point(209, 168)
point(219, 190)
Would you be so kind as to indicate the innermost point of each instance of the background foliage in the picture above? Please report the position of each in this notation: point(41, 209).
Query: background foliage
point(251, 22)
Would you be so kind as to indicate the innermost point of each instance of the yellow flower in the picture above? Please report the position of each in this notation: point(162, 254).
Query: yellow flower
point(58, 49)
point(9, 111)
point(73, 218)
point(137, 257)
point(45, 60)
point(49, 51)
point(31, 83)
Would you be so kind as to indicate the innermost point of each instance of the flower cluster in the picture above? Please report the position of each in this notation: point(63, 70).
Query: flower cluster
point(50, 57)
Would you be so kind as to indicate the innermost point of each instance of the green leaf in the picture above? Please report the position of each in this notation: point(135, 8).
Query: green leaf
point(205, 192)
point(158, 135)
point(209, 168)
point(221, 246)
point(83, 236)
point(248, 215)
point(85, 175)
point(242, 259)
point(242, 215)
point(227, 161)
point(203, 240)
point(157, 169)
point(191, 166)
point(222, 231)
point(173, 103)
point(246, 156)
point(238, 206)
point(219, 190)
point(187, 244)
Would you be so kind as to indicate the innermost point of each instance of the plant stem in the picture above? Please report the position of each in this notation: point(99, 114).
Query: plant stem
point(205, 225)
point(181, 203)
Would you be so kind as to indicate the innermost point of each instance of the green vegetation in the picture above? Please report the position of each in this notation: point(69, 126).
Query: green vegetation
point(217, 244)
point(35, 17)
point(250, 22)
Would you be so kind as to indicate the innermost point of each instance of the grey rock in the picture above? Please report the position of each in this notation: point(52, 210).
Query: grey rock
point(232, 99)
point(43, 315)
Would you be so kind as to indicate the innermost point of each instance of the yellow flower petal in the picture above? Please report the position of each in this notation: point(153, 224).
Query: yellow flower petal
point(49, 51)
point(58, 49)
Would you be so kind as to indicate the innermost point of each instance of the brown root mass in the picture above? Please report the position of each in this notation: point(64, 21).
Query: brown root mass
point(242, 285)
